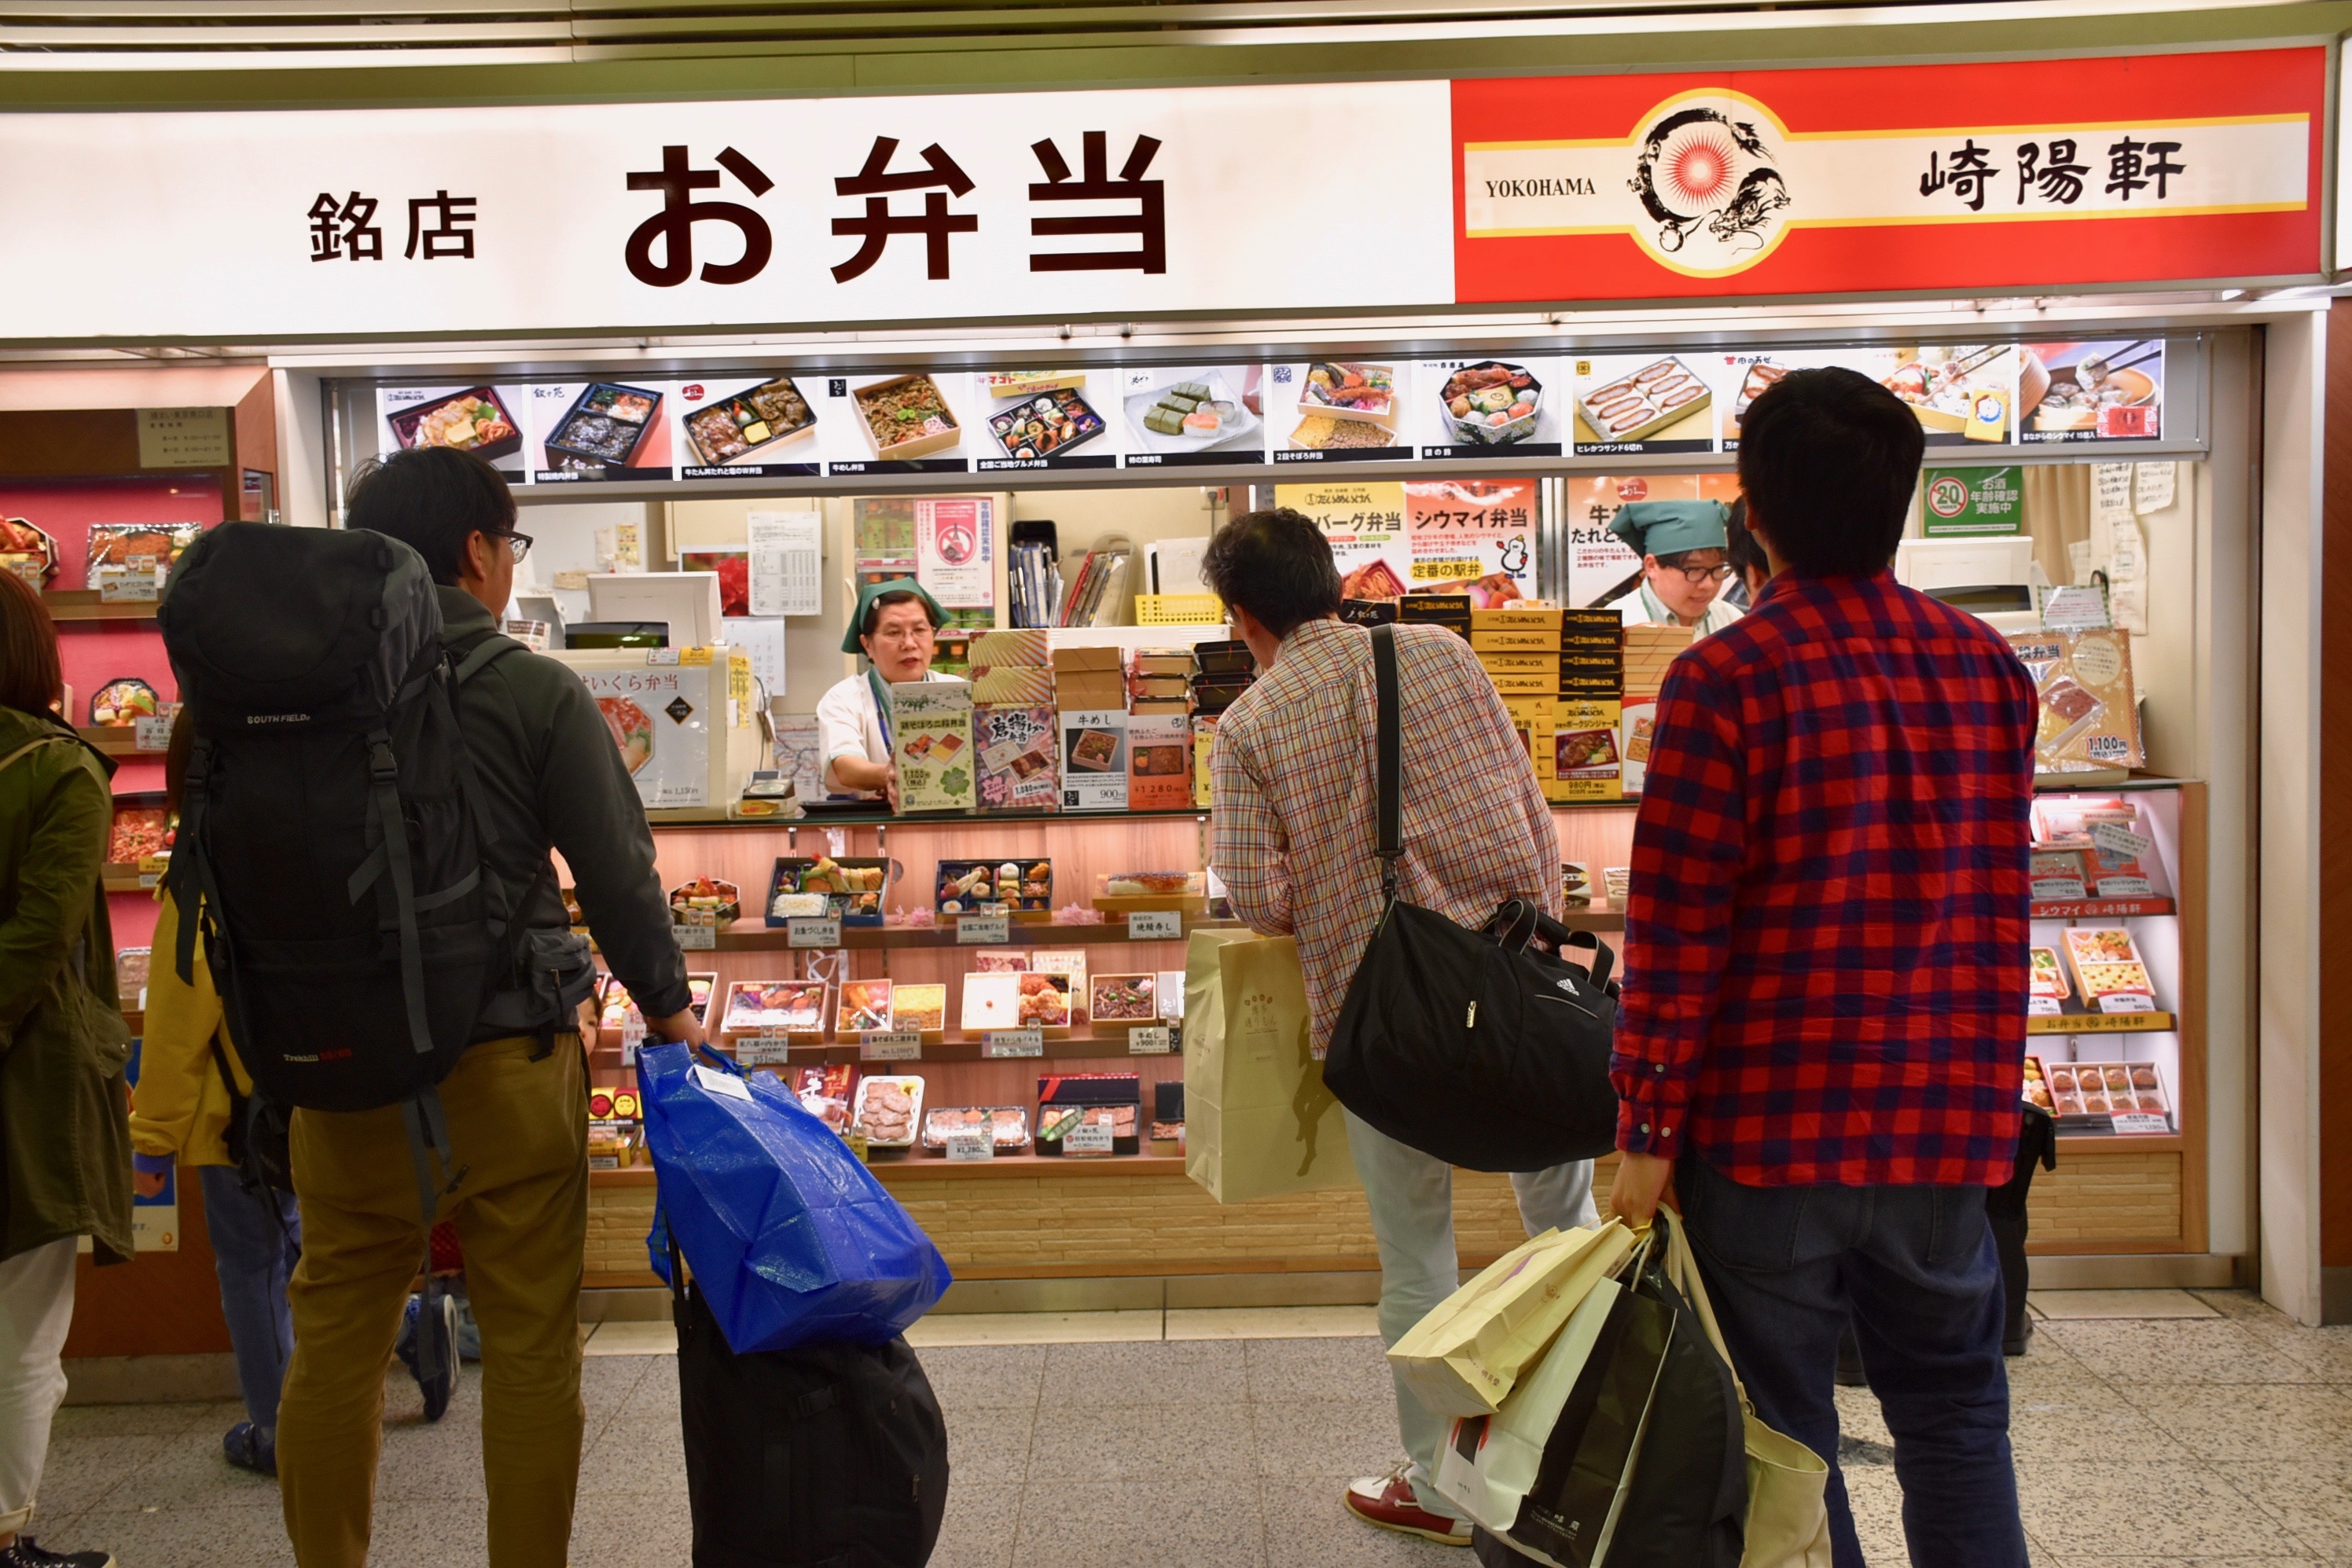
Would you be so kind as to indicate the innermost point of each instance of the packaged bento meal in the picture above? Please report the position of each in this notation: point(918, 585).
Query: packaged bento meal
point(864, 1006)
point(889, 1108)
point(121, 703)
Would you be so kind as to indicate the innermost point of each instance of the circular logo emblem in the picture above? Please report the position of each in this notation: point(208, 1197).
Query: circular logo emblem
point(1708, 183)
point(1633, 487)
point(1947, 496)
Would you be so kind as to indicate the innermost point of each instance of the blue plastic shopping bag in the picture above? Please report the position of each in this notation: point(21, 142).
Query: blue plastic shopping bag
point(791, 1238)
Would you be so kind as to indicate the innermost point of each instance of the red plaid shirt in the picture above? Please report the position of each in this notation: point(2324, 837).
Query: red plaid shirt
point(1825, 947)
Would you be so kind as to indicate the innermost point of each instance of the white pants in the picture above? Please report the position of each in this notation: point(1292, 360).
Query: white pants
point(36, 1293)
point(1412, 1198)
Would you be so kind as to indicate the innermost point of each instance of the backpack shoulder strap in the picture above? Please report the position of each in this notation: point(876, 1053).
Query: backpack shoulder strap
point(1389, 773)
point(28, 749)
point(494, 646)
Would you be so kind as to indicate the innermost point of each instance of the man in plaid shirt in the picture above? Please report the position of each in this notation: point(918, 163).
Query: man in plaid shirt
point(1824, 1026)
point(1293, 826)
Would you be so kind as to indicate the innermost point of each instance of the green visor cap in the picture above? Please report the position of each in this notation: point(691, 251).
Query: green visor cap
point(874, 590)
point(1670, 528)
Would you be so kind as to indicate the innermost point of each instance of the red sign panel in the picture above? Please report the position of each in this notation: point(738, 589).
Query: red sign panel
point(1961, 179)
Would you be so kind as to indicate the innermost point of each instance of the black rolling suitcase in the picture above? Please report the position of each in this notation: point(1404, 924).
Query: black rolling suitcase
point(830, 1456)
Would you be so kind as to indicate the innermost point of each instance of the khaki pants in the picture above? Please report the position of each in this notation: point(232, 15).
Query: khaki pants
point(519, 1127)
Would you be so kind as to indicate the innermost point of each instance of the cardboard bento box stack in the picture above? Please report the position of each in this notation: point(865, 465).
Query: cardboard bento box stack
point(1090, 691)
point(1222, 672)
point(1160, 729)
point(1648, 651)
point(1014, 727)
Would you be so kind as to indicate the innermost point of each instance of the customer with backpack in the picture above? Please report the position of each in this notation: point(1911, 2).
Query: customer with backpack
point(379, 778)
point(190, 1108)
point(1823, 1032)
point(64, 1152)
point(1293, 839)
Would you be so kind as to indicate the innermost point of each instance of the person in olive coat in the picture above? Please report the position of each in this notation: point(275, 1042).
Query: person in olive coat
point(65, 1132)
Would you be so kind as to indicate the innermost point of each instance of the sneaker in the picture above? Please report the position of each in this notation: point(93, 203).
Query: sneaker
point(1388, 1501)
point(469, 1336)
point(443, 1326)
point(27, 1553)
point(248, 1450)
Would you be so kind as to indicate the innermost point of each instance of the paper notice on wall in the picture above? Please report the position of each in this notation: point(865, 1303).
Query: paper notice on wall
point(2127, 550)
point(2078, 561)
point(2111, 490)
point(761, 638)
point(2152, 485)
point(787, 560)
point(955, 550)
point(2128, 603)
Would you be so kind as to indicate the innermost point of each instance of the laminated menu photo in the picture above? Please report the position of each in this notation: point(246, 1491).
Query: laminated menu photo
point(1160, 756)
point(1019, 758)
point(931, 733)
point(1094, 759)
point(2089, 720)
point(2108, 970)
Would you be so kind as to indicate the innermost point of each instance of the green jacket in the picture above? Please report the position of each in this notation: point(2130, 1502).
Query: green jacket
point(65, 1106)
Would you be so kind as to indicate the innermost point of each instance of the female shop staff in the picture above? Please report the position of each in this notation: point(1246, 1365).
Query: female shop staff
point(894, 627)
point(1683, 546)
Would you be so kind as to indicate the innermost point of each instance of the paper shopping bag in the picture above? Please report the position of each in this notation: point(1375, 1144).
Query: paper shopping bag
point(1464, 1357)
point(1257, 1121)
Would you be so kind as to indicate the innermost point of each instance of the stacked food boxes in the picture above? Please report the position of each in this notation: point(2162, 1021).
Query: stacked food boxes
point(1013, 698)
point(1222, 672)
point(1587, 759)
point(1091, 688)
point(1520, 647)
point(1160, 729)
point(1648, 651)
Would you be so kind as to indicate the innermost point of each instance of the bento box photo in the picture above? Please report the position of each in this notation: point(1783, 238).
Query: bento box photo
point(805, 888)
point(995, 887)
point(1635, 407)
point(28, 550)
point(907, 416)
point(1048, 423)
point(1190, 416)
point(605, 427)
point(476, 419)
point(1349, 389)
point(1491, 404)
point(748, 426)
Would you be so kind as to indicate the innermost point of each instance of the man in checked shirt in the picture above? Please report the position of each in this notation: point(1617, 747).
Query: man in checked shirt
point(1824, 1026)
point(1293, 833)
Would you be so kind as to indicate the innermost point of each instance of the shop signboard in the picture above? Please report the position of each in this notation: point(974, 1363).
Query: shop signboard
point(1957, 503)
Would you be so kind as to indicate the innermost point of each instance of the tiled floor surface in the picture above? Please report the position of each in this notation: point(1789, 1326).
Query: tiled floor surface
point(2221, 1440)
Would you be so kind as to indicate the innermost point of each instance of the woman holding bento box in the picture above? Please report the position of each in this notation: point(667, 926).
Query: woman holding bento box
point(894, 627)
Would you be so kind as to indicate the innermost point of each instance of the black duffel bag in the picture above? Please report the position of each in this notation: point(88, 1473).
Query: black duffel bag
point(1477, 1047)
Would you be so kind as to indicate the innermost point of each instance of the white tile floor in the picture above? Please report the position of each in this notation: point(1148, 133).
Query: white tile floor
point(2151, 1428)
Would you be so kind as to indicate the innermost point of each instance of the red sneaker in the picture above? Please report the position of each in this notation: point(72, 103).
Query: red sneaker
point(1388, 1501)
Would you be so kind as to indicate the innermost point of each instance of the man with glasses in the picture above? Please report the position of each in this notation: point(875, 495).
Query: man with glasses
point(548, 777)
point(1685, 560)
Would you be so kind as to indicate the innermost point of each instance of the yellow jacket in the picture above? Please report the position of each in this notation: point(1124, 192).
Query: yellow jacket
point(181, 1106)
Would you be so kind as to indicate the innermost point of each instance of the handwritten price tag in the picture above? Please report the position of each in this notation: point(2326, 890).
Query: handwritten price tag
point(891, 1045)
point(1152, 1039)
point(814, 931)
point(1155, 926)
point(1007, 1042)
point(983, 930)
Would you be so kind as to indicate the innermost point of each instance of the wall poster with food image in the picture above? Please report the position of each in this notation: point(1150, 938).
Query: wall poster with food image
point(1743, 377)
point(482, 419)
point(747, 427)
point(1473, 536)
point(1339, 411)
point(598, 431)
point(906, 421)
point(931, 733)
point(1600, 567)
point(1642, 402)
point(1488, 408)
point(1194, 414)
point(1960, 391)
point(1365, 523)
point(2108, 391)
point(955, 549)
point(656, 719)
point(1045, 419)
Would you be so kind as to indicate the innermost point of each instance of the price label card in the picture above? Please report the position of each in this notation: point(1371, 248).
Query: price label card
point(2120, 842)
point(2041, 1006)
point(629, 1050)
point(983, 930)
point(2128, 1002)
point(891, 1045)
point(814, 931)
point(152, 869)
point(711, 1081)
point(1005, 1042)
point(1155, 926)
point(697, 937)
point(152, 734)
point(1152, 1039)
point(971, 1146)
point(1087, 1138)
point(130, 587)
point(2141, 1122)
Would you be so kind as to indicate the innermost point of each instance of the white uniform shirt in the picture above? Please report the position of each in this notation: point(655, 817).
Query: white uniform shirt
point(1640, 608)
point(848, 725)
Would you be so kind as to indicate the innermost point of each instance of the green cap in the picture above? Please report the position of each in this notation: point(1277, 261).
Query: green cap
point(1670, 528)
point(874, 590)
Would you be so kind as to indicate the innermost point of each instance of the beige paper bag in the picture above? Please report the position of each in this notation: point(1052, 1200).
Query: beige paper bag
point(1468, 1352)
point(1257, 1121)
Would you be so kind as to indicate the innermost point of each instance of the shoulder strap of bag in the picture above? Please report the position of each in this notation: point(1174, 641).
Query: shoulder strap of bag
point(28, 749)
point(1388, 766)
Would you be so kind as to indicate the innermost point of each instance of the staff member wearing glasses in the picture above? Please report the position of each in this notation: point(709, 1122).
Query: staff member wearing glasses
point(1684, 547)
point(894, 627)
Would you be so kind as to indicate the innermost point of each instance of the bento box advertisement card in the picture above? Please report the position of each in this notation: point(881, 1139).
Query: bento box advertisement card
point(2110, 390)
point(1094, 759)
point(655, 716)
point(1642, 402)
point(906, 422)
point(747, 426)
point(1193, 415)
point(1339, 411)
point(1473, 536)
point(1364, 523)
point(481, 418)
point(588, 431)
point(1045, 419)
point(1489, 408)
point(930, 732)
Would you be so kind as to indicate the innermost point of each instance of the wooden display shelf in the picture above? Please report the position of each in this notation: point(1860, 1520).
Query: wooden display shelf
point(117, 740)
point(84, 605)
point(894, 1165)
point(1086, 1047)
point(751, 936)
point(704, 819)
point(2103, 1023)
point(2099, 908)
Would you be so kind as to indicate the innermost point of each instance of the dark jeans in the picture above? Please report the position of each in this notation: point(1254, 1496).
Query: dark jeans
point(254, 1243)
point(1916, 1269)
